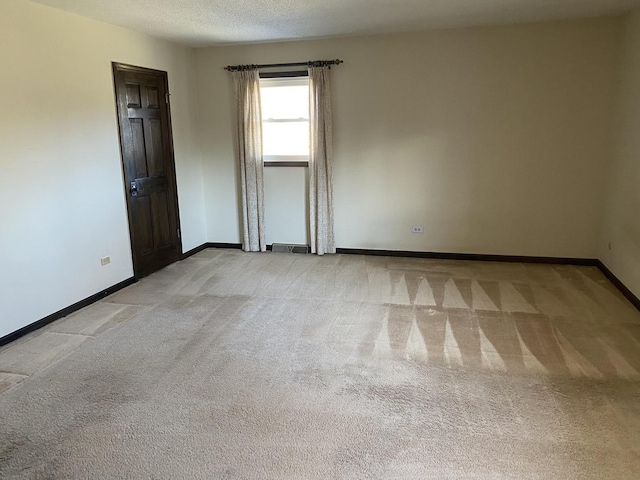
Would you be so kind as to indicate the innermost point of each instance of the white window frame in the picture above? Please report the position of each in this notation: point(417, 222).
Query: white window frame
point(283, 80)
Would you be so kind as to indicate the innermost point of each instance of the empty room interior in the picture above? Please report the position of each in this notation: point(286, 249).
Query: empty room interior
point(322, 239)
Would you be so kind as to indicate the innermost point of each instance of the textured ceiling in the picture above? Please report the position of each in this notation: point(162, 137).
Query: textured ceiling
point(215, 22)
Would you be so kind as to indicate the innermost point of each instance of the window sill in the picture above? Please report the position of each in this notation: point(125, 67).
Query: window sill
point(287, 163)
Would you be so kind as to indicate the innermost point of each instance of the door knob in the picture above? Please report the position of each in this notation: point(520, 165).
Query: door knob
point(133, 189)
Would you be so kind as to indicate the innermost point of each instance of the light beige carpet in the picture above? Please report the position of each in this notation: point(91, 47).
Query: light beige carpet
point(232, 365)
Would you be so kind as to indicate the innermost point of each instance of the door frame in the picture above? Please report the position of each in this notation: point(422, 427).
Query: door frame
point(116, 67)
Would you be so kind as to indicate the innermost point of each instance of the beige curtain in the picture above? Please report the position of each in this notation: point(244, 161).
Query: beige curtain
point(249, 130)
point(320, 175)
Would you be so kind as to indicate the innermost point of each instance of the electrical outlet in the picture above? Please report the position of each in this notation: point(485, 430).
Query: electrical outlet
point(417, 229)
point(105, 261)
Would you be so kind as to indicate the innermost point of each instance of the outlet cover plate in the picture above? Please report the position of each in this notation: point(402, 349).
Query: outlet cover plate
point(417, 229)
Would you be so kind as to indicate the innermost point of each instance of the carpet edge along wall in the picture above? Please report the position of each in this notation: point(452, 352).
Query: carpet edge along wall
point(66, 311)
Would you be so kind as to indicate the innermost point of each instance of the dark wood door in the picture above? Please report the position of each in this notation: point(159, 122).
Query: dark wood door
point(142, 97)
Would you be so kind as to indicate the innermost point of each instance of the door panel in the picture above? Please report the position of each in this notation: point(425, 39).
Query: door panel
point(154, 156)
point(152, 98)
point(133, 95)
point(143, 227)
point(162, 231)
point(148, 166)
point(138, 153)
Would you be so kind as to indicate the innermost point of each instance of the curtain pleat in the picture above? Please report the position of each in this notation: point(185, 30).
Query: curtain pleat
point(320, 168)
point(249, 135)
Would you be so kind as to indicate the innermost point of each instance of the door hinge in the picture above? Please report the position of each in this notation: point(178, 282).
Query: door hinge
point(166, 97)
point(178, 230)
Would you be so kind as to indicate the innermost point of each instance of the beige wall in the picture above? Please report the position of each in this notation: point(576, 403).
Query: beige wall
point(494, 139)
point(497, 140)
point(620, 248)
point(62, 205)
point(286, 205)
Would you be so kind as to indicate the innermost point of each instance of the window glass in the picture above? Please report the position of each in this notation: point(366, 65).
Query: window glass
point(285, 118)
point(285, 138)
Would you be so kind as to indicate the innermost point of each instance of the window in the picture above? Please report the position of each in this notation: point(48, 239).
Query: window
point(285, 120)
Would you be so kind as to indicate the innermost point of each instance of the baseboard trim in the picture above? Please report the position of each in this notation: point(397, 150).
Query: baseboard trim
point(482, 257)
point(635, 301)
point(591, 262)
point(235, 246)
point(206, 245)
point(193, 251)
point(66, 311)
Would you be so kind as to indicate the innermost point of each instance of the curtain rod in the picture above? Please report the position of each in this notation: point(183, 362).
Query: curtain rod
point(312, 63)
